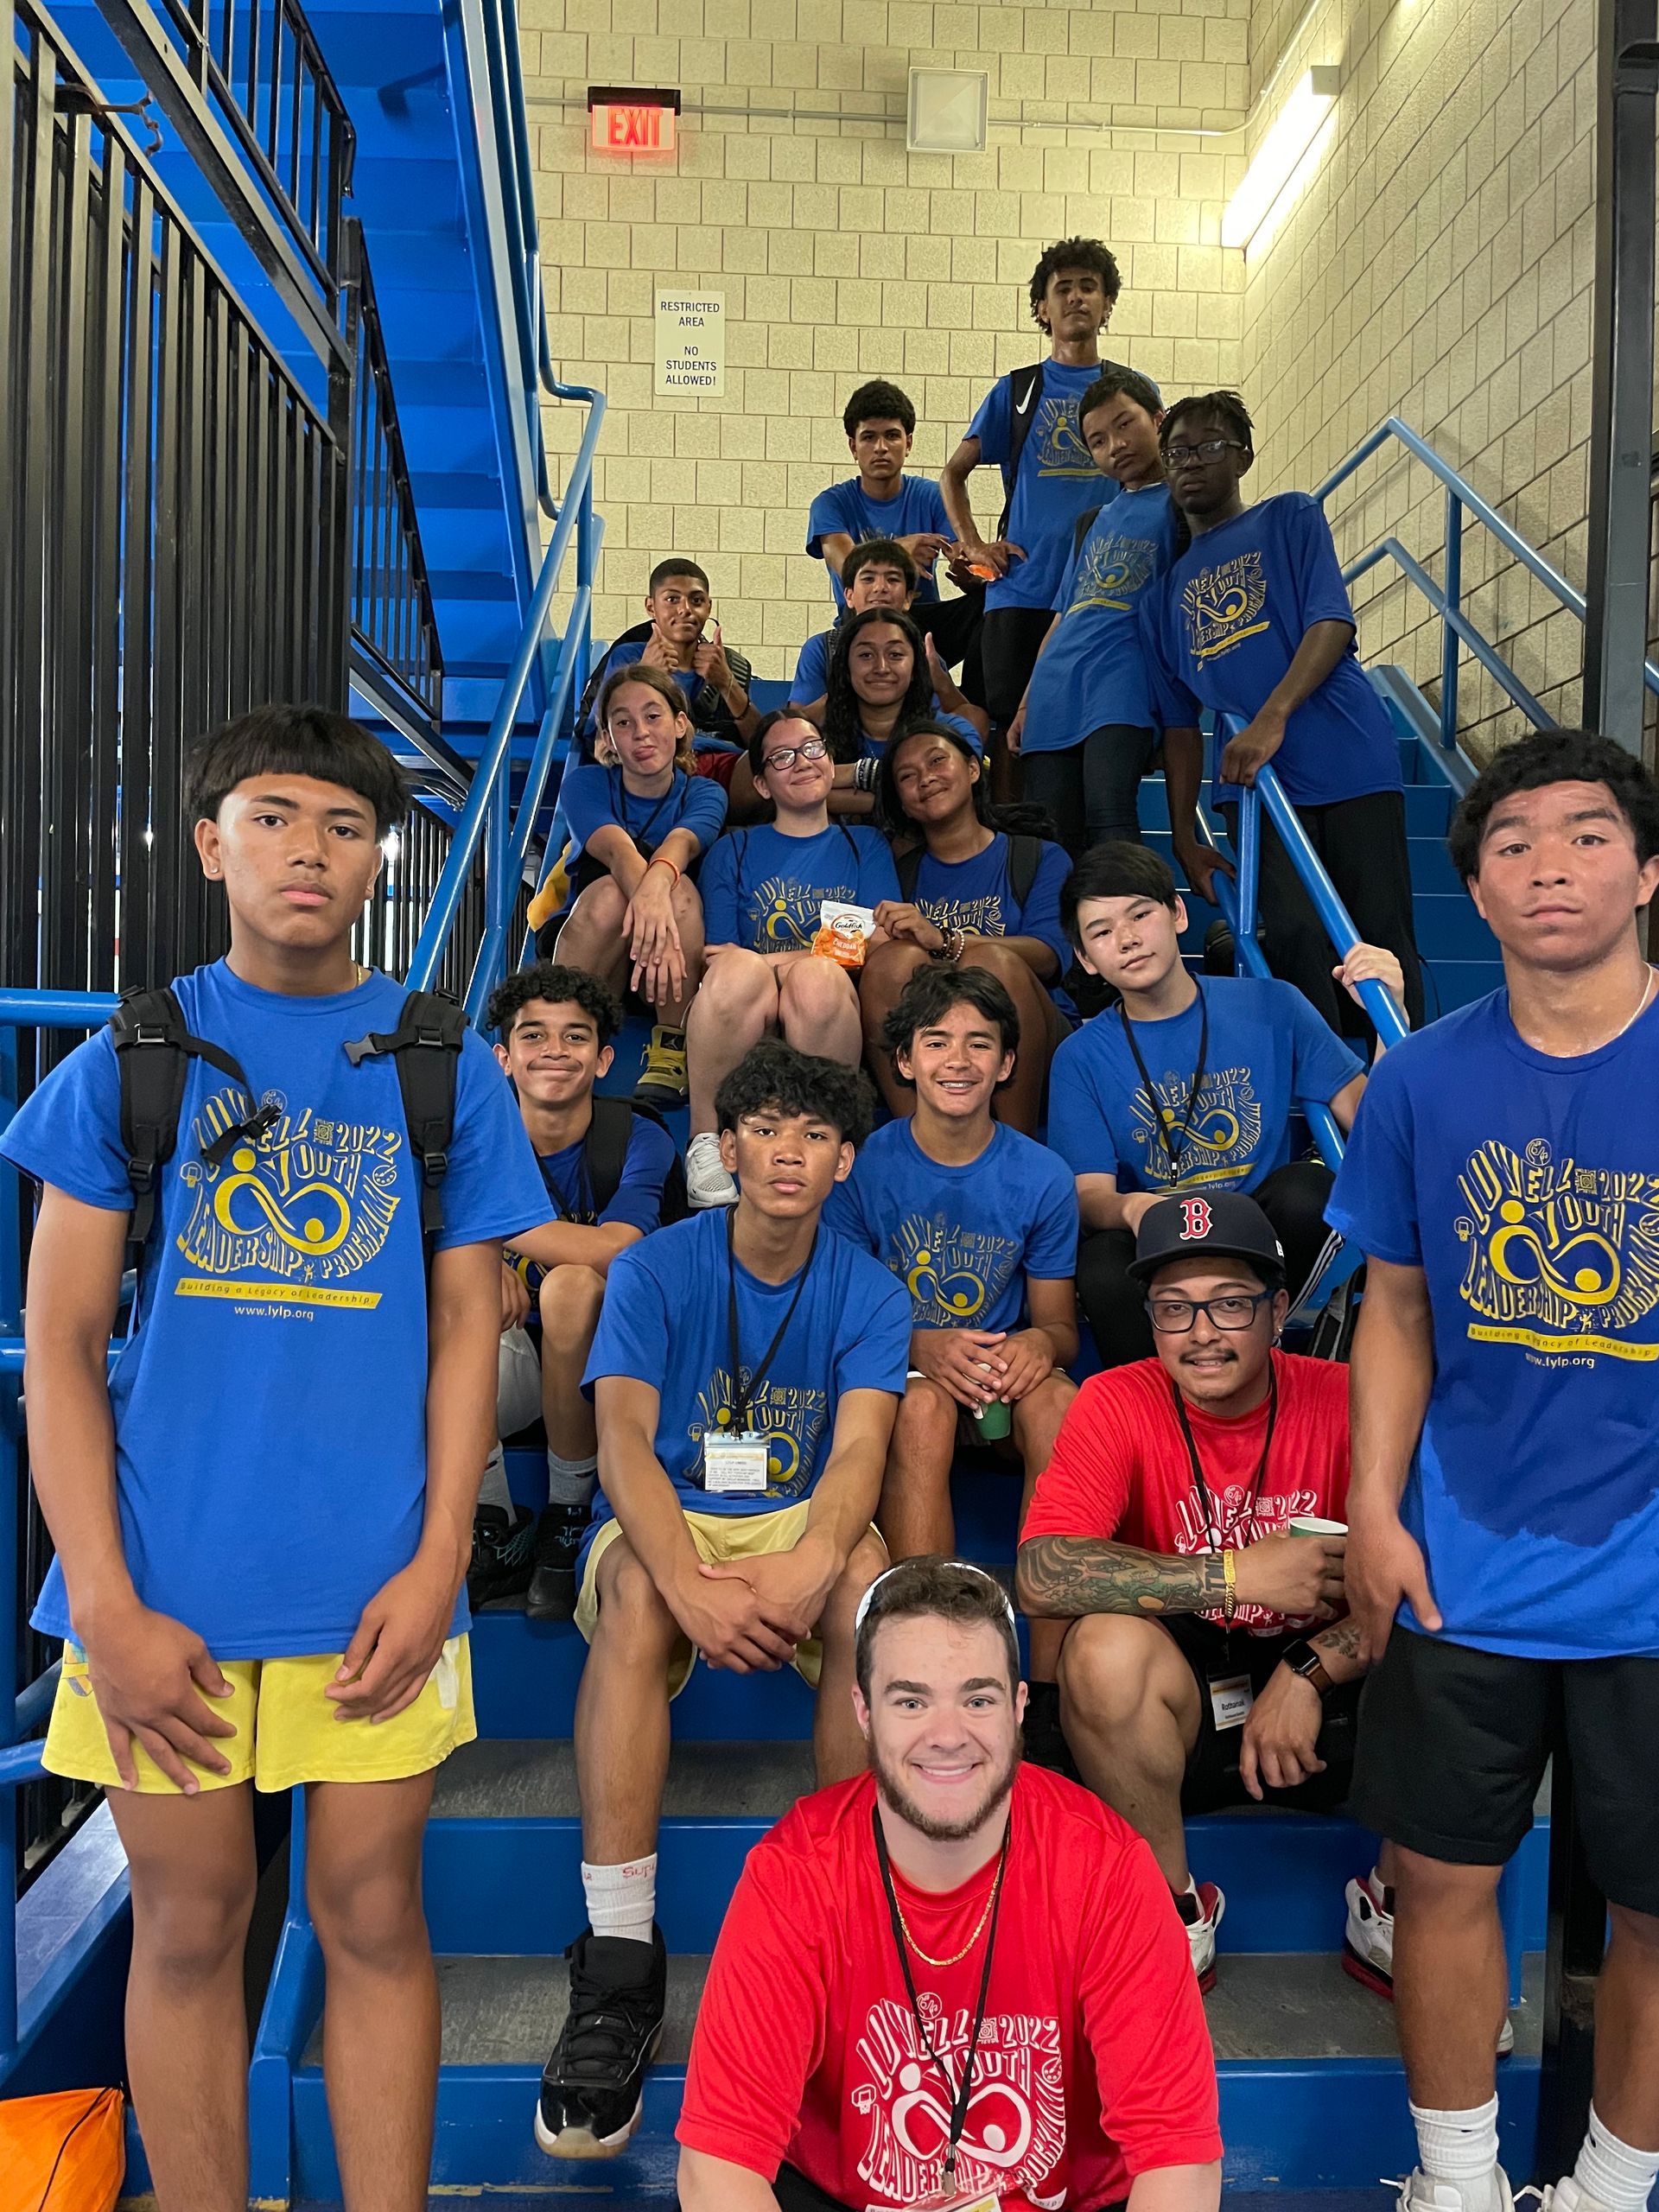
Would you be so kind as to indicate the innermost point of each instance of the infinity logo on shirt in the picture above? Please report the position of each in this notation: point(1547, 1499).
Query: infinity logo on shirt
point(952, 1274)
point(1220, 605)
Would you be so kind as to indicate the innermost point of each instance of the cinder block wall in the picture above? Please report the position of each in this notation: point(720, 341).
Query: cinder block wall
point(841, 256)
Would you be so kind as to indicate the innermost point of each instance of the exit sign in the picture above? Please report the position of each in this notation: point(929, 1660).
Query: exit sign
point(630, 121)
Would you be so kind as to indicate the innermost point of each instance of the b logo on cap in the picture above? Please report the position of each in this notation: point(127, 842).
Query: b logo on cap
point(1195, 1219)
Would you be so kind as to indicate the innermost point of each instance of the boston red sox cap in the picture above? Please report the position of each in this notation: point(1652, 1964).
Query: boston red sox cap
point(1225, 1226)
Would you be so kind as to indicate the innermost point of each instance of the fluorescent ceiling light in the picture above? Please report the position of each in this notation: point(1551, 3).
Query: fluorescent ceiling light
point(1288, 139)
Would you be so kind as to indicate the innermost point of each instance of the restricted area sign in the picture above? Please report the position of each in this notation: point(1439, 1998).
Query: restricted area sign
point(690, 344)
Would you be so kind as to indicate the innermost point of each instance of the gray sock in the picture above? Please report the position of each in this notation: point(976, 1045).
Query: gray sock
point(494, 1489)
point(570, 1482)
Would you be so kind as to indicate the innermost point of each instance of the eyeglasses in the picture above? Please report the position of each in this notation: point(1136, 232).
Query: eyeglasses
point(1173, 1317)
point(1211, 450)
point(787, 755)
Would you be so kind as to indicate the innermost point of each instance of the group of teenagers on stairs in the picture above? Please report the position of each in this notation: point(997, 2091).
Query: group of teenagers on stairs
point(968, 1968)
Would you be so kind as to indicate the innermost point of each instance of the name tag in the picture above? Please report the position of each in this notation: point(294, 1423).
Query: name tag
point(1231, 1699)
point(946, 2201)
point(735, 1465)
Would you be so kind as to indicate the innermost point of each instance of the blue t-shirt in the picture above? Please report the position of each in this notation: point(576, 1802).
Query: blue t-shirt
point(872, 749)
point(1093, 670)
point(811, 678)
point(270, 1406)
point(623, 654)
point(636, 1201)
point(1526, 1189)
point(1057, 481)
point(1267, 1050)
point(977, 895)
point(591, 797)
point(961, 1240)
point(1223, 628)
point(762, 889)
point(664, 1321)
point(848, 509)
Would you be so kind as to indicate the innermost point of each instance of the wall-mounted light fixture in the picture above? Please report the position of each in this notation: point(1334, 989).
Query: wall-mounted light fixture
point(1276, 160)
point(948, 111)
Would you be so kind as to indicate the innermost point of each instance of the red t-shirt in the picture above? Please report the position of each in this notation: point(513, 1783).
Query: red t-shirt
point(1094, 2063)
point(1120, 1468)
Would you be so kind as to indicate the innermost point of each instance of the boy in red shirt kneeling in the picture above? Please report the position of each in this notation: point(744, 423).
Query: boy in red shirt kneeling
point(971, 1989)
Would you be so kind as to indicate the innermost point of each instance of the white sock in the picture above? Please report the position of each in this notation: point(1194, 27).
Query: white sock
point(621, 1900)
point(1461, 2147)
point(493, 1490)
point(570, 1482)
point(1614, 2173)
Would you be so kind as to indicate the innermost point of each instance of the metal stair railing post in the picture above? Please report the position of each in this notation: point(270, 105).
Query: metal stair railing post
point(489, 786)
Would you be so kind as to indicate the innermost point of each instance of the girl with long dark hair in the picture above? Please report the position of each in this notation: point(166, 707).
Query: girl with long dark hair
point(883, 676)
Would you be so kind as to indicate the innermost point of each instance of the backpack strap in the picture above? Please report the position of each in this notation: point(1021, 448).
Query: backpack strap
point(1025, 396)
point(1083, 524)
point(909, 867)
point(153, 1049)
point(605, 1150)
point(426, 1045)
point(1025, 857)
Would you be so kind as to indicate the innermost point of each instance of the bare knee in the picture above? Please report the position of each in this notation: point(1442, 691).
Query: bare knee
point(635, 1624)
point(1115, 1670)
point(925, 1434)
point(368, 1912)
point(570, 1301)
point(813, 994)
point(887, 971)
point(867, 1559)
point(189, 1931)
point(1424, 1884)
point(1636, 1931)
point(599, 910)
point(738, 985)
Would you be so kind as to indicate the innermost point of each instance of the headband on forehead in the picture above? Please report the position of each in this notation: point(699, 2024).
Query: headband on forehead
point(962, 1566)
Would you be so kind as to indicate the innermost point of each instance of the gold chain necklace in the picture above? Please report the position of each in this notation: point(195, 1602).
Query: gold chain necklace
point(958, 1957)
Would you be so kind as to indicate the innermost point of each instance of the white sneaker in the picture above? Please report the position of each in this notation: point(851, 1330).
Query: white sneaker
point(707, 1183)
point(1368, 1947)
point(1568, 2195)
point(1418, 2194)
point(1201, 1932)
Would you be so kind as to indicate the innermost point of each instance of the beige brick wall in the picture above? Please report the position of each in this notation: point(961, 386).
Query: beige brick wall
point(1439, 267)
point(841, 256)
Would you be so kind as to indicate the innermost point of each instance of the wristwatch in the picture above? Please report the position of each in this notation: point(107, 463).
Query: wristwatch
point(1302, 1659)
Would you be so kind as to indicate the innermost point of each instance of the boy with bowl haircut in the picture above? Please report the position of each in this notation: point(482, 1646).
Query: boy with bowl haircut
point(555, 1026)
point(262, 1519)
point(746, 1374)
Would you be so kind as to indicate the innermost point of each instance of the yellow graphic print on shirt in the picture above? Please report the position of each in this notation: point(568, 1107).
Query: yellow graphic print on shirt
point(1221, 1138)
point(952, 1274)
point(1220, 605)
point(290, 1217)
point(790, 1419)
point(976, 917)
point(786, 914)
point(1112, 570)
point(1561, 1258)
point(1058, 440)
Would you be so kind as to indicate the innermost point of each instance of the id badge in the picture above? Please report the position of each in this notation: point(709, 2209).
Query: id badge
point(734, 1466)
point(1231, 1699)
point(945, 2199)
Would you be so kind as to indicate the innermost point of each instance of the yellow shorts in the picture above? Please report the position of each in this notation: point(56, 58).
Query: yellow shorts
point(720, 1539)
point(286, 1731)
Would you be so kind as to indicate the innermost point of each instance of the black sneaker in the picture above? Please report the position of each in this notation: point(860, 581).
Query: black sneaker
point(593, 2087)
point(502, 1553)
point(1045, 1740)
point(553, 1578)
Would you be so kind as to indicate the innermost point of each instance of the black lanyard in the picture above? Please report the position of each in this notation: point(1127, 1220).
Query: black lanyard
point(963, 2091)
point(584, 1215)
point(1160, 1119)
point(619, 797)
point(744, 1393)
point(1211, 1503)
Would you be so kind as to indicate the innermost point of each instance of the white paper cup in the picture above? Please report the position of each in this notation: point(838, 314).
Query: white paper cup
point(1309, 1524)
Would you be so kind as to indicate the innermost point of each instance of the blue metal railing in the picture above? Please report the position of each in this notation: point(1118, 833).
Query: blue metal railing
point(1446, 599)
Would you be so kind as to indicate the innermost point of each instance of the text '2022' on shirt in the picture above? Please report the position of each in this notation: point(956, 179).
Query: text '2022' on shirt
point(1093, 670)
point(978, 895)
point(1094, 2064)
point(961, 1239)
point(1268, 1049)
point(1224, 626)
point(848, 510)
point(1055, 483)
point(1526, 1189)
point(666, 1322)
point(1120, 1470)
point(762, 889)
point(271, 1407)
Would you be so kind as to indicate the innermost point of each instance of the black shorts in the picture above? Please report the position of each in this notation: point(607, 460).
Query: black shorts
point(1455, 1742)
point(1212, 1779)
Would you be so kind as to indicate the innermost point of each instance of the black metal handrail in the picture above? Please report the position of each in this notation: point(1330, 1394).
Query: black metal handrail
point(392, 615)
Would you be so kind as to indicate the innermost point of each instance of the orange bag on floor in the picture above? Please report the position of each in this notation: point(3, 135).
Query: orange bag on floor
point(66, 2153)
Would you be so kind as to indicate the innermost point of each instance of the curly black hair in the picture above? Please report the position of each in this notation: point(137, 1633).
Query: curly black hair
point(1015, 820)
point(841, 706)
point(879, 401)
point(1074, 253)
point(1227, 409)
point(1115, 871)
point(929, 997)
point(553, 984)
point(1555, 756)
point(774, 1077)
point(283, 741)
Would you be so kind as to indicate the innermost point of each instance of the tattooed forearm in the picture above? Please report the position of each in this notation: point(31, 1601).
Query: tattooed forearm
point(1061, 1577)
point(1338, 1647)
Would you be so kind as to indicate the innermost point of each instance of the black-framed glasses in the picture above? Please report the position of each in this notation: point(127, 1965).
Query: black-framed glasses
point(787, 755)
point(1173, 1317)
point(1211, 449)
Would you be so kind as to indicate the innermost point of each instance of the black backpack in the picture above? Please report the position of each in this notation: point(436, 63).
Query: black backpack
point(708, 710)
point(154, 1048)
point(605, 1152)
point(1025, 396)
point(1025, 856)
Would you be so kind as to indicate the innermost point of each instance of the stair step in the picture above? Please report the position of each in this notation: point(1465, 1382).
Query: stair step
point(519, 1779)
point(1428, 807)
